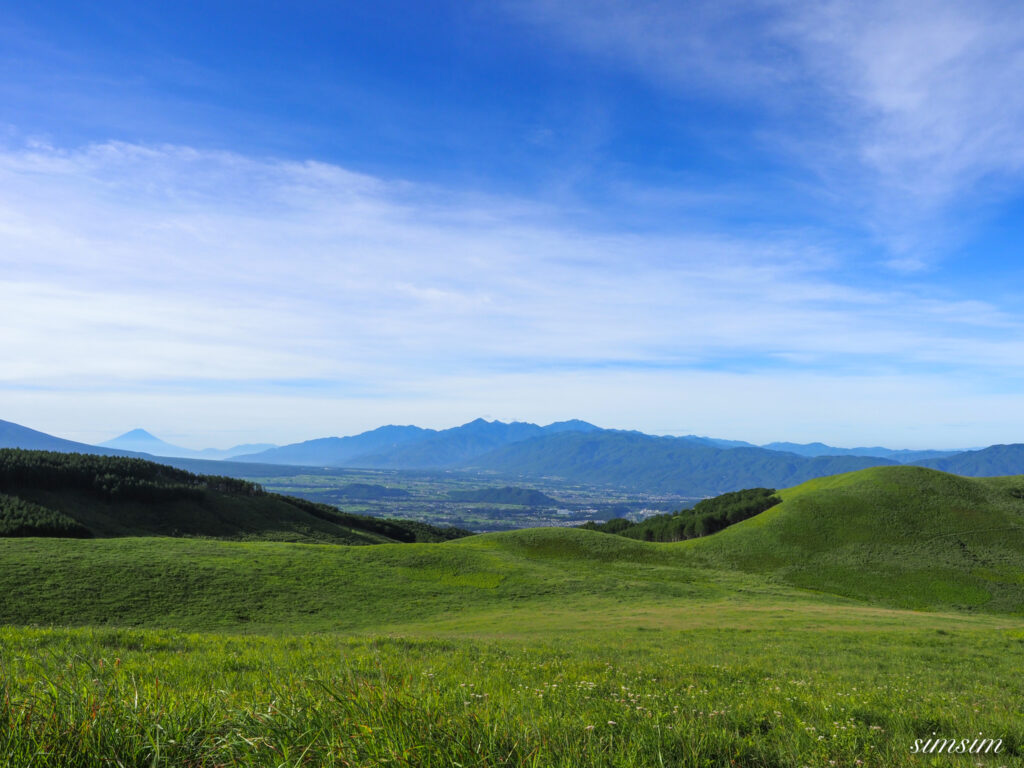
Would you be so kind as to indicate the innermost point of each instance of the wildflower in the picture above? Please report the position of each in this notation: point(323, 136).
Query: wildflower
point(612, 722)
point(589, 728)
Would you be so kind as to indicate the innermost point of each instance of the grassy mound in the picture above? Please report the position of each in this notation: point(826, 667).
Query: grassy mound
point(894, 536)
point(906, 536)
point(543, 647)
point(203, 584)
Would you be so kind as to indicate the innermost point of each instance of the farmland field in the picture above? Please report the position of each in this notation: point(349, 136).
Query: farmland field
point(426, 496)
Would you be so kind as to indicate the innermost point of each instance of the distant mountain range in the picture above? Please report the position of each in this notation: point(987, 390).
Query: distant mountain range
point(412, 447)
point(141, 441)
point(16, 436)
point(820, 449)
point(660, 464)
point(573, 451)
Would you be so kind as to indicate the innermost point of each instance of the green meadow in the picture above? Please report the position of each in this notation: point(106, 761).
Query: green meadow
point(864, 614)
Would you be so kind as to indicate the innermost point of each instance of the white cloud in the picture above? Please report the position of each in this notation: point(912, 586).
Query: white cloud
point(905, 109)
point(132, 275)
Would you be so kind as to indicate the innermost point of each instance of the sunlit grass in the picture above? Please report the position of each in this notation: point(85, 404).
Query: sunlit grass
point(536, 648)
point(765, 695)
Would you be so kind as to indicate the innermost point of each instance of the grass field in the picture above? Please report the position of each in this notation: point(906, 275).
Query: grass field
point(755, 684)
point(538, 647)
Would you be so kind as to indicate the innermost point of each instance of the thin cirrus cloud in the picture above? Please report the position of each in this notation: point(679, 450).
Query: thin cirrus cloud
point(134, 273)
point(903, 111)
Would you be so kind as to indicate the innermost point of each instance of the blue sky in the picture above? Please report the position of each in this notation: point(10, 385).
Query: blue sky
point(229, 222)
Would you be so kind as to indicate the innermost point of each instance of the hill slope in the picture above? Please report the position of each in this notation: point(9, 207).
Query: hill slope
point(87, 495)
point(906, 536)
point(196, 584)
point(896, 536)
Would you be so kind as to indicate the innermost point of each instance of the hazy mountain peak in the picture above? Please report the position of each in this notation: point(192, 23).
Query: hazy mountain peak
point(139, 440)
point(136, 434)
point(571, 425)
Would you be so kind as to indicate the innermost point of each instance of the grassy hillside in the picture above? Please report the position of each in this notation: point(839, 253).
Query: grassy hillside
point(542, 647)
point(202, 584)
point(905, 536)
point(897, 536)
point(701, 686)
point(58, 494)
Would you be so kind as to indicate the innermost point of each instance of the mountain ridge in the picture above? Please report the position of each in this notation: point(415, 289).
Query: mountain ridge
point(903, 456)
point(141, 441)
point(662, 464)
point(17, 436)
point(411, 447)
point(572, 451)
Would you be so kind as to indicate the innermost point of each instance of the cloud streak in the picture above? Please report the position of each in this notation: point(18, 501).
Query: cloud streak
point(148, 272)
point(903, 110)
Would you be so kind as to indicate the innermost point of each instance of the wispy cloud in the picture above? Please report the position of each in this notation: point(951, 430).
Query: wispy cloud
point(905, 110)
point(134, 273)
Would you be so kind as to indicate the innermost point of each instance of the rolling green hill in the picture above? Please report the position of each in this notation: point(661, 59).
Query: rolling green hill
point(906, 536)
point(558, 647)
point(62, 494)
point(895, 536)
point(202, 584)
point(902, 537)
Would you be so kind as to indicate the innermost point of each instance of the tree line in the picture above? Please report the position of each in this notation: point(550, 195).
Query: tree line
point(111, 477)
point(23, 518)
point(704, 518)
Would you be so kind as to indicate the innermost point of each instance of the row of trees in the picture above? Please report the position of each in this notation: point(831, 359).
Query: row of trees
point(704, 518)
point(406, 531)
point(23, 518)
point(111, 477)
